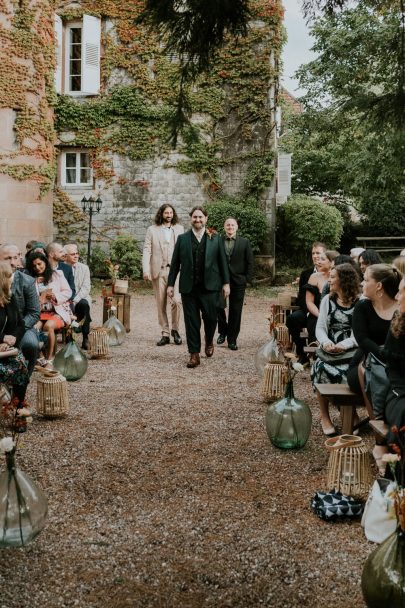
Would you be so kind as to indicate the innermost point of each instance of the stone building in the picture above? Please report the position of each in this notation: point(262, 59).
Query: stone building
point(116, 90)
point(27, 154)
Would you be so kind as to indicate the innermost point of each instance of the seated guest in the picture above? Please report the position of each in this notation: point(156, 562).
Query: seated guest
point(394, 351)
point(13, 370)
point(355, 252)
point(313, 289)
point(27, 302)
point(342, 258)
point(334, 334)
point(56, 255)
point(54, 295)
point(82, 300)
point(38, 247)
point(297, 320)
point(399, 264)
point(368, 257)
point(371, 321)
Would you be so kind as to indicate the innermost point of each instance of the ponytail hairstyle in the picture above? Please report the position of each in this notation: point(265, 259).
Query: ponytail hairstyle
point(388, 276)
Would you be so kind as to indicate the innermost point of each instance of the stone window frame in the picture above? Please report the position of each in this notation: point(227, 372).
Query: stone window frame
point(78, 167)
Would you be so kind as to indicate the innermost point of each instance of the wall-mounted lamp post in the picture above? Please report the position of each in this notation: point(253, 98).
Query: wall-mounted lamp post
point(90, 206)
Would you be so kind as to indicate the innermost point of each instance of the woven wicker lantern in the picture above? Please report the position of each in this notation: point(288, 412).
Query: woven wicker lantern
point(348, 469)
point(99, 342)
point(283, 335)
point(274, 381)
point(52, 396)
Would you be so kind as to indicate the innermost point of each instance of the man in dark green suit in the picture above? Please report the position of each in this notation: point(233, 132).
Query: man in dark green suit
point(199, 256)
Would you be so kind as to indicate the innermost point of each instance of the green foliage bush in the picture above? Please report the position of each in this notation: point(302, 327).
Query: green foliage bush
point(97, 262)
point(252, 221)
point(124, 251)
point(303, 220)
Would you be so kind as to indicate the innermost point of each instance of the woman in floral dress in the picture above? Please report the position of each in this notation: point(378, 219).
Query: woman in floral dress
point(334, 334)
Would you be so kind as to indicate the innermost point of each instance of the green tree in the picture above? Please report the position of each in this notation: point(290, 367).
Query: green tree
point(252, 221)
point(303, 220)
point(124, 251)
point(351, 137)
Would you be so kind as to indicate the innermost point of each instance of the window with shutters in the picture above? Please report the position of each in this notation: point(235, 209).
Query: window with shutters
point(76, 169)
point(78, 56)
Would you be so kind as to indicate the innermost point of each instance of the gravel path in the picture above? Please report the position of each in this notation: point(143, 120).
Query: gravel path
point(164, 490)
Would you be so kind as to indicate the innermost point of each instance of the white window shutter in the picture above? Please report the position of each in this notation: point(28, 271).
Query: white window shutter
point(91, 43)
point(284, 175)
point(58, 51)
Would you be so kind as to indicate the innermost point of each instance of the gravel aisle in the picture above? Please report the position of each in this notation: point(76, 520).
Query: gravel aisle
point(164, 490)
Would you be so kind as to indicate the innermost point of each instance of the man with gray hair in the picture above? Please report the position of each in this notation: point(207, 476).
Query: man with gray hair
point(82, 299)
point(26, 296)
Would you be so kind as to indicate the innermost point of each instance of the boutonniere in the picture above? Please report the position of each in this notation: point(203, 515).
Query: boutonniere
point(210, 232)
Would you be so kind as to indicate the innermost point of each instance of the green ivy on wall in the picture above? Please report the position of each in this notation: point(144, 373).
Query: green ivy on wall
point(27, 72)
point(133, 120)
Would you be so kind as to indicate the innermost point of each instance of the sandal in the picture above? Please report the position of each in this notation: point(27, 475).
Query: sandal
point(49, 373)
point(328, 431)
point(378, 453)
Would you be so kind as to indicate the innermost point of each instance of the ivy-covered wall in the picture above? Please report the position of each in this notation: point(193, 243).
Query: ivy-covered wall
point(27, 154)
point(231, 137)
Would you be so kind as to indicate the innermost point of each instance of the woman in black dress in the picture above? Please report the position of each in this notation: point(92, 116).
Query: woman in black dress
point(394, 351)
point(13, 370)
point(367, 258)
point(371, 322)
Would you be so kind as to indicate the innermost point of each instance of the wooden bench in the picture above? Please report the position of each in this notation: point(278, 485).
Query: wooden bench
point(341, 396)
point(379, 427)
point(310, 351)
point(383, 244)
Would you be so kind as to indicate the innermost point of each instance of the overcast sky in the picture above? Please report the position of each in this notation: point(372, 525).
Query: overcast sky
point(296, 51)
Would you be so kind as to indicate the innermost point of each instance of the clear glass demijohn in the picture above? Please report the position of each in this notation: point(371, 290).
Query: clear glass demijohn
point(116, 330)
point(23, 506)
point(71, 362)
point(268, 353)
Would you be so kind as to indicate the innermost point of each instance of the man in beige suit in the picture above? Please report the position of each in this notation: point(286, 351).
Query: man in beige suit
point(158, 249)
point(82, 299)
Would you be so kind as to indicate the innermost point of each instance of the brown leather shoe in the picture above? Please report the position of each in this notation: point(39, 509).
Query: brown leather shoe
point(209, 349)
point(194, 360)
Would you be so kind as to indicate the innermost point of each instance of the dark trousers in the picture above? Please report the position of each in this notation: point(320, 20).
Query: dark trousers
point(82, 311)
point(296, 322)
point(29, 346)
point(231, 328)
point(199, 303)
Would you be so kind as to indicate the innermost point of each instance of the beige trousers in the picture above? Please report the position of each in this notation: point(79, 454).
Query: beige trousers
point(159, 287)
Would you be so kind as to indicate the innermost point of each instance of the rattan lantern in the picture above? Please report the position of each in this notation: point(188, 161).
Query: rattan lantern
point(349, 468)
point(283, 335)
point(274, 381)
point(52, 396)
point(99, 342)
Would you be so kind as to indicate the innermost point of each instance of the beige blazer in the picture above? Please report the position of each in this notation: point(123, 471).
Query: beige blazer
point(82, 282)
point(152, 257)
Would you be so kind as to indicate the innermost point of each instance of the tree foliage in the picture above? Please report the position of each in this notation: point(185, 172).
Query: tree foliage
point(252, 220)
point(303, 220)
point(350, 139)
point(194, 30)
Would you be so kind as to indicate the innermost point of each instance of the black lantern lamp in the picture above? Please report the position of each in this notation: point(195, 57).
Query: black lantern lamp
point(91, 206)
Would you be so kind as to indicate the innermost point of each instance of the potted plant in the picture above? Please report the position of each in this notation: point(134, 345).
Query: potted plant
point(119, 286)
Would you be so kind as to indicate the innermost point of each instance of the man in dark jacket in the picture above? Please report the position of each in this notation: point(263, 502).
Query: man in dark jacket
point(297, 320)
point(241, 264)
point(200, 258)
point(26, 297)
